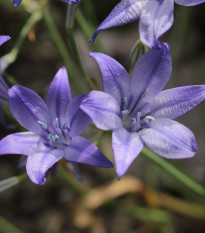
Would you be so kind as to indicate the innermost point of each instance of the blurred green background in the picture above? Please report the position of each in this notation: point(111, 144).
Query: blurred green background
point(146, 199)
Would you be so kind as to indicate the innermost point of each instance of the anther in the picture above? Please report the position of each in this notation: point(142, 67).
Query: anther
point(147, 118)
point(145, 93)
point(124, 113)
point(44, 126)
point(125, 103)
point(57, 123)
point(53, 137)
point(64, 125)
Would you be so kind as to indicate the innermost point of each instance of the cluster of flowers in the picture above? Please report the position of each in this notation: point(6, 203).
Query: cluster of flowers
point(135, 109)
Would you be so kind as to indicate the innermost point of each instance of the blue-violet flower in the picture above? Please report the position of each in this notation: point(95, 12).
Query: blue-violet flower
point(53, 127)
point(156, 17)
point(16, 2)
point(139, 112)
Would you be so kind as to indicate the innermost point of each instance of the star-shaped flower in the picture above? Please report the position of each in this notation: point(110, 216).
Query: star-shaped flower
point(53, 127)
point(156, 17)
point(139, 112)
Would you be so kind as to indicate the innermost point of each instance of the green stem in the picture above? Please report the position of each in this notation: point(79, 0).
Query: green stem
point(61, 48)
point(77, 56)
point(173, 171)
point(12, 181)
point(87, 29)
point(11, 57)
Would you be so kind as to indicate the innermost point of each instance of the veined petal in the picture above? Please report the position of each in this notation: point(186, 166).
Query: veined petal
point(81, 150)
point(3, 39)
point(126, 147)
point(19, 143)
point(103, 109)
point(169, 139)
point(156, 18)
point(16, 2)
point(59, 96)
point(175, 102)
point(78, 120)
point(116, 80)
point(38, 164)
point(189, 2)
point(151, 73)
point(28, 108)
point(124, 12)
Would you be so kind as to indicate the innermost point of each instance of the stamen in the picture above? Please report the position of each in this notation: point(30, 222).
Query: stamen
point(64, 125)
point(56, 137)
point(147, 118)
point(125, 103)
point(132, 125)
point(53, 137)
point(44, 126)
point(124, 113)
point(145, 92)
point(57, 123)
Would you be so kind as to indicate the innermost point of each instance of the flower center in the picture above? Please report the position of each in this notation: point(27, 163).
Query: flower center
point(134, 122)
point(56, 136)
point(138, 123)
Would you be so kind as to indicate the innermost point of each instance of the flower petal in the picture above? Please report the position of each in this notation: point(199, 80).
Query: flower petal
point(169, 139)
point(78, 120)
point(81, 150)
point(175, 102)
point(28, 108)
point(124, 12)
point(116, 80)
point(16, 2)
point(19, 143)
point(38, 164)
point(151, 73)
point(189, 2)
point(126, 147)
point(156, 18)
point(103, 109)
point(71, 1)
point(59, 96)
point(3, 39)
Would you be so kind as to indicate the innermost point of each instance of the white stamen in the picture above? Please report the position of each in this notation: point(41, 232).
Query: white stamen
point(44, 126)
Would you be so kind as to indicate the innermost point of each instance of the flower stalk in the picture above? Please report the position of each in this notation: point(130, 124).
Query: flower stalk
point(174, 172)
point(62, 49)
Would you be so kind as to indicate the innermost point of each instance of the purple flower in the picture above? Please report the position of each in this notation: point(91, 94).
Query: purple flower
point(16, 2)
point(156, 17)
point(138, 111)
point(53, 127)
point(71, 1)
point(3, 39)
